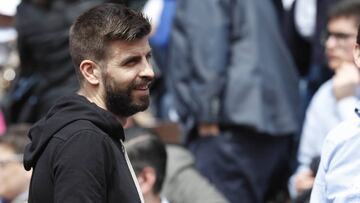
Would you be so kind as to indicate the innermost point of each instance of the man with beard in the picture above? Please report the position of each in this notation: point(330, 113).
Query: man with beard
point(76, 151)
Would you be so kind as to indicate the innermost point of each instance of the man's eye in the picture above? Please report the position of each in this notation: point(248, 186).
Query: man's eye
point(131, 62)
point(149, 56)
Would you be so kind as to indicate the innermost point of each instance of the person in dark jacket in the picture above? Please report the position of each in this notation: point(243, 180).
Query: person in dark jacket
point(236, 92)
point(76, 150)
point(46, 70)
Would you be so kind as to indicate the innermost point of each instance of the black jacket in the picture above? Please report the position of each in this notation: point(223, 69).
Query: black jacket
point(77, 156)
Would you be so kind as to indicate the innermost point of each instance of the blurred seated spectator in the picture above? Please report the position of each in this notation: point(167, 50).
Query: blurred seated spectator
point(148, 157)
point(182, 180)
point(14, 179)
point(336, 99)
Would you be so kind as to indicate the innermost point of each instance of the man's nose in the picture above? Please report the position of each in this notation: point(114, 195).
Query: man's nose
point(330, 42)
point(148, 70)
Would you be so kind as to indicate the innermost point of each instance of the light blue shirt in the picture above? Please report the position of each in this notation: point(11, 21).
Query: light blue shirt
point(323, 114)
point(338, 177)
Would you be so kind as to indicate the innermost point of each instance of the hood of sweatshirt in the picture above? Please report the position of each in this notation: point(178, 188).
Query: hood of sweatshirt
point(67, 110)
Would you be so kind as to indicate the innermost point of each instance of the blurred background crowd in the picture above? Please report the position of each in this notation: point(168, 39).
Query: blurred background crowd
point(245, 93)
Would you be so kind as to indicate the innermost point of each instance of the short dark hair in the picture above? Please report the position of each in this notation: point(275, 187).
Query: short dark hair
point(96, 28)
point(146, 149)
point(16, 137)
point(346, 8)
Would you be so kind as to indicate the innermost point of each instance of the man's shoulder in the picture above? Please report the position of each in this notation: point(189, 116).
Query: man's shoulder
point(79, 127)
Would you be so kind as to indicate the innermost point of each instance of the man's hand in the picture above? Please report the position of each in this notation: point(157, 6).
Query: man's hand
point(208, 129)
point(304, 181)
point(345, 81)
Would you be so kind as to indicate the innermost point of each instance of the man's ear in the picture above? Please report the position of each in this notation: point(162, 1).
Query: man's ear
point(356, 54)
point(146, 179)
point(90, 71)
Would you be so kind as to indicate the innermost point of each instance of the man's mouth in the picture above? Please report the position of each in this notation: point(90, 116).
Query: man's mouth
point(142, 87)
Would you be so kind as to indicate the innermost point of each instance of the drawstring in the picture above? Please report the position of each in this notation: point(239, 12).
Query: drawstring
point(132, 172)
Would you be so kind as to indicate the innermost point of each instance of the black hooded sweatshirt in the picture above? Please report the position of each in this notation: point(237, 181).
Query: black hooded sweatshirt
point(77, 156)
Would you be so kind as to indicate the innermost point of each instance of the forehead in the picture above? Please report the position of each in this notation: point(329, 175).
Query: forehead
point(343, 24)
point(122, 49)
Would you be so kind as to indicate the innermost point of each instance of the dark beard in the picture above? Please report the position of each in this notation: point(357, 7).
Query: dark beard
point(120, 102)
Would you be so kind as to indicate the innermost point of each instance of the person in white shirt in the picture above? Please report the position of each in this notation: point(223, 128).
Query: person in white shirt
point(338, 177)
point(336, 99)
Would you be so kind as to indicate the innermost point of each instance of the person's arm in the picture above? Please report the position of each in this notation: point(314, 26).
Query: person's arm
point(201, 42)
point(313, 134)
point(80, 169)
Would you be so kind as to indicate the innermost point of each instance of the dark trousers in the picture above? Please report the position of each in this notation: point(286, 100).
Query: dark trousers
point(246, 168)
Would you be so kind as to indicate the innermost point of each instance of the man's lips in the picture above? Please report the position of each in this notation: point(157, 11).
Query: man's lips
point(142, 87)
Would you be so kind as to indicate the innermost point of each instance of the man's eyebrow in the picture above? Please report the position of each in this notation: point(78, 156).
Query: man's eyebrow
point(130, 58)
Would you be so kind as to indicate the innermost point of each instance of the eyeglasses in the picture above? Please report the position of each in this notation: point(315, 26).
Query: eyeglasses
point(340, 38)
point(13, 159)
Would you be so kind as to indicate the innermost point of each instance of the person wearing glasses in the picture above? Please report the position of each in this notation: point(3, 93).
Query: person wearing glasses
point(14, 179)
point(336, 99)
point(338, 177)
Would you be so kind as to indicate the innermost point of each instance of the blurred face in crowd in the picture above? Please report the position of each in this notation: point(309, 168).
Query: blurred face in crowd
point(340, 41)
point(13, 177)
point(127, 77)
point(357, 55)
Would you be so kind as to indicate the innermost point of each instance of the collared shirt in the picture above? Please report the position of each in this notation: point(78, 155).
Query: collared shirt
point(338, 177)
